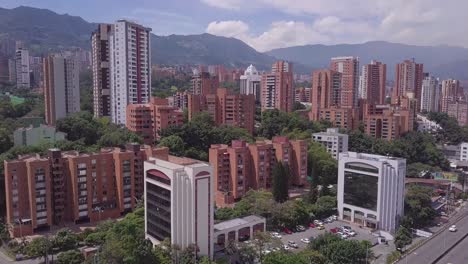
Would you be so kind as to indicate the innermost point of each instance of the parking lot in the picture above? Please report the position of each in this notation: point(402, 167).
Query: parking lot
point(361, 234)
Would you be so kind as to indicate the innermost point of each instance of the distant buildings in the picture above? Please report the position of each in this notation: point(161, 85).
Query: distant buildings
point(179, 100)
point(179, 202)
point(225, 108)
point(61, 87)
point(371, 190)
point(430, 94)
point(23, 78)
point(130, 67)
point(30, 136)
point(372, 82)
point(277, 87)
point(101, 70)
point(250, 82)
point(326, 92)
point(464, 151)
point(450, 93)
point(302, 94)
point(333, 141)
point(148, 120)
point(241, 166)
point(69, 186)
point(349, 69)
point(459, 111)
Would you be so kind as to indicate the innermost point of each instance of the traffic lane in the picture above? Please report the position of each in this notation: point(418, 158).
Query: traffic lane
point(361, 233)
point(457, 255)
point(437, 245)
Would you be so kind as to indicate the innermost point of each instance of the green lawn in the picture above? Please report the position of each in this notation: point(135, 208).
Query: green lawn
point(15, 100)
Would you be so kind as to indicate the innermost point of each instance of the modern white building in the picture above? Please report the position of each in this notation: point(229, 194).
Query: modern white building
point(130, 67)
point(250, 82)
point(430, 94)
point(23, 79)
point(179, 202)
point(464, 151)
point(371, 190)
point(238, 230)
point(333, 141)
point(61, 87)
point(426, 125)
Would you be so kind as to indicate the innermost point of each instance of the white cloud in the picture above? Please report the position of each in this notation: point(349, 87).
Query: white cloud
point(225, 4)
point(237, 29)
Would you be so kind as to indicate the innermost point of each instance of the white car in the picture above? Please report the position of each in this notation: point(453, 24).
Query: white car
point(292, 244)
point(349, 232)
point(266, 251)
point(286, 247)
point(318, 222)
point(275, 235)
point(453, 228)
point(305, 240)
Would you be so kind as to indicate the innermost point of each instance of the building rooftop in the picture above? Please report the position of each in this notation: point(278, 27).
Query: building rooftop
point(368, 156)
point(238, 222)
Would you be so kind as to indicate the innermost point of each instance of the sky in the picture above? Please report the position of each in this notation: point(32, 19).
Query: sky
point(270, 24)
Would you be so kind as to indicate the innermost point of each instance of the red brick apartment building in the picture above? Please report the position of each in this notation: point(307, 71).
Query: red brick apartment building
point(241, 166)
point(147, 120)
point(225, 108)
point(72, 187)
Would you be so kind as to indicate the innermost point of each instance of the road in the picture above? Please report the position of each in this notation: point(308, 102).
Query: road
point(459, 254)
point(440, 243)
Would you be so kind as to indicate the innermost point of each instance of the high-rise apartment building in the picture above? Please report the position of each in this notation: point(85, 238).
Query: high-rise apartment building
point(61, 87)
point(130, 67)
point(101, 70)
point(333, 141)
point(225, 108)
point(75, 187)
point(349, 69)
point(372, 82)
point(430, 94)
point(241, 166)
point(23, 78)
point(277, 87)
point(326, 91)
point(250, 82)
point(203, 83)
point(179, 100)
point(179, 203)
point(148, 120)
point(371, 190)
point(450, 93)
point(303, 94)
point(408, 79)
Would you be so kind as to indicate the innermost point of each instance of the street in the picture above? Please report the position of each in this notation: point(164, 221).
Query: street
point(438, 244)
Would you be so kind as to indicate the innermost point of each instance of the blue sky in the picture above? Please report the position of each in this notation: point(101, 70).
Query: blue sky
point(268, 24)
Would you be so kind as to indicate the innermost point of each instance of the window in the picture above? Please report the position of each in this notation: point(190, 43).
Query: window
point(361, 190)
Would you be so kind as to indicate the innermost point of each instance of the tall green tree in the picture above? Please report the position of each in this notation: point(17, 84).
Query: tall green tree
point(403, 238)
point(418, 207)
point(280, 175)
point(70, 257)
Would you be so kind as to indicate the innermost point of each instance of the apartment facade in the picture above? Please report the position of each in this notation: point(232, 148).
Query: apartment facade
point(333, 141)
point(302, 94)
point(450, 93)
point(179, 203)
point(101, 70)
point(148, 120)
point(371, 190)
point(349, 69)
point(430, 94)
point(72, 187)
point(344, 118)
point(459, 111)
point(372, 82)
point(277, 87)
point(23, 76)
point(225, 108)
point(250, 82)
point(242, 166)
point(61, 87)
point(408, 79)
point(326, 91)
point(203, 83)
point(130, 67)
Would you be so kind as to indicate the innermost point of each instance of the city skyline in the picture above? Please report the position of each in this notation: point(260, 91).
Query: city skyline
point(268, 25)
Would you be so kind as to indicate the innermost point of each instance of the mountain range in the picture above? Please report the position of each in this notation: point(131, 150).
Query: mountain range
point(43, 31)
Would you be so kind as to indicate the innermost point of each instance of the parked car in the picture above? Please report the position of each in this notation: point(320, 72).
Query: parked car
point(266, 252)
point(453, 228)
point(300, 228)
point(312, 225)
point(334, 230)
point(287, 231)
point(292, 244)
point(347, 227)
point(318, 222)
point(286, 247)
point(320, 227)
point(275, 235)
point(305, 240)
point(349, 232)
point(334, 217)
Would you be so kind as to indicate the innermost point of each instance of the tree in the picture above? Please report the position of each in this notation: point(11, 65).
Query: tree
point(5, 140)
point(336, 250)
point(280, 175)
point(321, 165)
point(298, 106)
point(326, 205)
point(38, 247)
point(174, 143)
point(403, 238)
point(284, 258)
point(418, 207)
point(70, 257)
point(65, 239)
